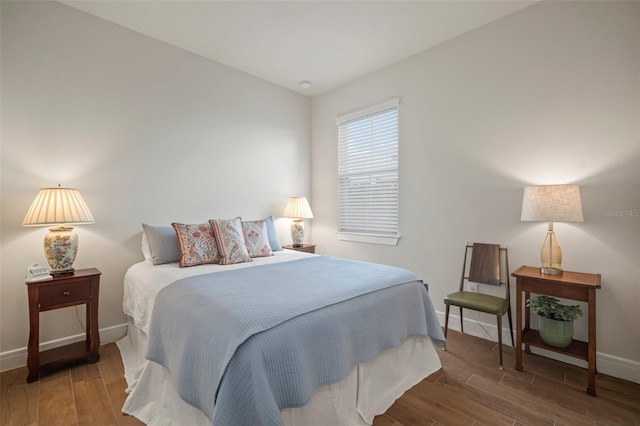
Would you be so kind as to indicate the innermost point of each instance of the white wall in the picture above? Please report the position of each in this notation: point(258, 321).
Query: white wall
point(147, 133)
point(548, 95)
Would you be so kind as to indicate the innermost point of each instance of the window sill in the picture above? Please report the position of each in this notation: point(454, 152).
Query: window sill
point(369, 238)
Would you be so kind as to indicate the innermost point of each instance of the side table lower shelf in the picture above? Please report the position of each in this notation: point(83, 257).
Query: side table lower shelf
point(55, 357)
point(576, 349)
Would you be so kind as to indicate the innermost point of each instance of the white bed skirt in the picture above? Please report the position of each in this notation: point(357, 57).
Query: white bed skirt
point(369, 390)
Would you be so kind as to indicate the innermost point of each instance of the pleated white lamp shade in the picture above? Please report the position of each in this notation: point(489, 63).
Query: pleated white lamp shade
point(298, 208)
point(58, 206)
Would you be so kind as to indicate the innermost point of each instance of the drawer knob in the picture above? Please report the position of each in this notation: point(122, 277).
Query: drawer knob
point(65, 293)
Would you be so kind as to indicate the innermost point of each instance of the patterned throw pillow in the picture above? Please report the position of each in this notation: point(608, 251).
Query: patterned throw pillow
point(230, 241)
point(256, 238)
point(197, 244)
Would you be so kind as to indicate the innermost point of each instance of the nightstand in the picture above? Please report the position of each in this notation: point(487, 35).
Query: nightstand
point(308, 248)
point(569, 285)
point(79, 288)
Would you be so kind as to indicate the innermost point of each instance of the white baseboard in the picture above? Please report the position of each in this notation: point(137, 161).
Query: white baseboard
point(16, 358)
point(622, 368)
point(611, 365)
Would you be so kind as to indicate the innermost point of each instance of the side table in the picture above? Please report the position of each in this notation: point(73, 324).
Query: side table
point(308, 248)
point(569, 285)
point(81, 287)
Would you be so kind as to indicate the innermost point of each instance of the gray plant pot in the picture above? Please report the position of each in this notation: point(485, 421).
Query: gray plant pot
point(555, 333)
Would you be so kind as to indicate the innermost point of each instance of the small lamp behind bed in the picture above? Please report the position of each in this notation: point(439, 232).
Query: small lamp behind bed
point(298, 208)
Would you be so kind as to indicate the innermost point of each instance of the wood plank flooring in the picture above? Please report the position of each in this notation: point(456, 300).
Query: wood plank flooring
point(469, 390)
point(85, 394)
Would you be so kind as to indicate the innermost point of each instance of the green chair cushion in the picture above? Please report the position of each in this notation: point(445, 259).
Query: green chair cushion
point(478, 302)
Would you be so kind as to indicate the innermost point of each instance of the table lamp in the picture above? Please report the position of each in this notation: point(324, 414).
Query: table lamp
point(552, 203)
point(59, 207)
point(298, 208)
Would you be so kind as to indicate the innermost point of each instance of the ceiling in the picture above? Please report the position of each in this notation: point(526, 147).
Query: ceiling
point(327, 43)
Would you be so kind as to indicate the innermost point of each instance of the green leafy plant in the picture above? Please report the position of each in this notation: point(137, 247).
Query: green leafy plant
point(550, 307)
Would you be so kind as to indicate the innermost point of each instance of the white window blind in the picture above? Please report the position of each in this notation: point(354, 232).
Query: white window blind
point(368, 174)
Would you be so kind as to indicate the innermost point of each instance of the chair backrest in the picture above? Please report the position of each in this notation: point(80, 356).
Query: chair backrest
point(489, 265)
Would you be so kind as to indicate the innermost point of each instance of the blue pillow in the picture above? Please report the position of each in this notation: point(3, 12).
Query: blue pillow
point(163, 242)
point(272, 234)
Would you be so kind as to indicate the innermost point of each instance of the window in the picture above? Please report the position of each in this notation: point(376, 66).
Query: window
point(368, 175)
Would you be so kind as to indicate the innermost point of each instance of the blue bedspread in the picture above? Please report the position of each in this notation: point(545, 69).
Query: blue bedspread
point(242, 345)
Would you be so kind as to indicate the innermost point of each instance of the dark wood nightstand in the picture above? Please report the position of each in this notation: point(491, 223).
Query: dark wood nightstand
point(81, 287)
point(308, 248)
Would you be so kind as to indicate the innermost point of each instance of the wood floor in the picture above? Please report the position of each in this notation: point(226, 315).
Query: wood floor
point(86, 394)
point(469, 390)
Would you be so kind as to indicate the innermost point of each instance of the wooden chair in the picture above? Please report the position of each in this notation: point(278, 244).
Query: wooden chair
point(489, 265)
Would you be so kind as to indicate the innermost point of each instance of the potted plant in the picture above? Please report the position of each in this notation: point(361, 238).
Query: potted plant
point(556, 320)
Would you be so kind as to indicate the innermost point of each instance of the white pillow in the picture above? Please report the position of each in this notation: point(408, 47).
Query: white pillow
point(163, 244)
point(146, 248)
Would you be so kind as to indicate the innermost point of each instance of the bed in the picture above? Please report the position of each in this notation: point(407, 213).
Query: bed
point(356, 367)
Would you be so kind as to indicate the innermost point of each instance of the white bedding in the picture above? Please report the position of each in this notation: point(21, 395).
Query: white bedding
point(369, 389)
point(144, 280)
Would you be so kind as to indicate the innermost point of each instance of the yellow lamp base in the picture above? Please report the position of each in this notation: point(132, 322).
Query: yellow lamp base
point(551, 254)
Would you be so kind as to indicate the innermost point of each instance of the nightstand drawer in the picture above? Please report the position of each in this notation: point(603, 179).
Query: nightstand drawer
point(64, 293)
